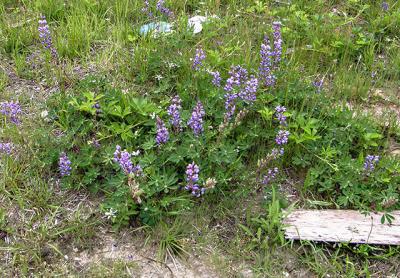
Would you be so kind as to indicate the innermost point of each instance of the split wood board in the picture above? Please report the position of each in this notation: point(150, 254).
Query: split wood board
point(342, 226)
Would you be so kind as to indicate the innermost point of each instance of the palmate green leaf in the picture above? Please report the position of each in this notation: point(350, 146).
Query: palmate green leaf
point(123, 130)
point(90, 176)
point(177, 157)
point(149, 144)
point(160, 181)
point(371, 139)
point(87, 105)
point(114, 109)
point(387, 217)
point(266, 114)
point(143, 107)
point(258, 7)
point(148, 159)
point(215, 56)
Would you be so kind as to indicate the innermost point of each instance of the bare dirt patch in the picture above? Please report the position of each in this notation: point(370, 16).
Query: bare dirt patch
point(125, 248)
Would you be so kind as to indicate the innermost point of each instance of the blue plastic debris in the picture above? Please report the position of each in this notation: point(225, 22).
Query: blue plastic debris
point(156, 27)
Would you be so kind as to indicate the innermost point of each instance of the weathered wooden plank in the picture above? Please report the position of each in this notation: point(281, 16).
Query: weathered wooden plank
point(342, 226)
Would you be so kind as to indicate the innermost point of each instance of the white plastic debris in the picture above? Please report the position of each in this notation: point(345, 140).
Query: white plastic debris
point(196, 22)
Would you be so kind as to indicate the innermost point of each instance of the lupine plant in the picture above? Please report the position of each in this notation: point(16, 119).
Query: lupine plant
point(64, 165)
point(196, 120)
point(123, 158)
point(270, 57)
point(281, 139)
point(174, 111)
point(6, 148)
point(270, 104)
point(195, 140)
point(192, 179)
point(45, 36)
point(11, 110)
point(146, 9)
point(162, 132)
point(216, 81)
point(159, 7)
point(198, 59)
point(318, 85)
point(370, 162)
point(162, 9)
point(239, 86)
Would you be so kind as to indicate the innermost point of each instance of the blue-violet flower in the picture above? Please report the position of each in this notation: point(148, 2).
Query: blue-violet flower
point(249, 92)
point(146, 8)
point(270, 176)
point(216, 78)
point(198, 59)
point(175, 114)
point(275, 153)
point(265, 68)
point(45, 36)
point(11, 110)
point(279, 113)
point(385, 6)
point(6, 148)
point(318, 84)
point(276, 27)
point(192, 178)
point(162, 132)
point(196, 120)
point(282, 137)
point(162, 9)
point(123, 158)
point(370, 162)
point(64, 165)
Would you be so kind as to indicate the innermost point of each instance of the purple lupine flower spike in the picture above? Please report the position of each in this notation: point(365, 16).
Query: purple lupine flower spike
point(175, 114)
point(230, 105)
point(123, 158)
point(196, 120)
point(237, 77)
point(276, 26)
point(11, 110)
point(318, 84)
point(162, 132)
point(279, 112)
point(385, 6)
point(45, 36)
point(265, 68)
point(282, 137)
point(216, 78)
point(270, 176)
point(64, 165)
point(146, 9)
point(6, 148)
point(239, 86)
point(370, 162)
point(192, 178)
point(198, 59)
point(249, 92)
point(162, 9)
point(275, 153)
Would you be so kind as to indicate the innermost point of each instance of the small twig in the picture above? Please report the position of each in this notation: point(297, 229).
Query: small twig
point(157, 261)
point(372, 225)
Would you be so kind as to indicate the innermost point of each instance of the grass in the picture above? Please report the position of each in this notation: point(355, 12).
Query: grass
point(351, 45)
